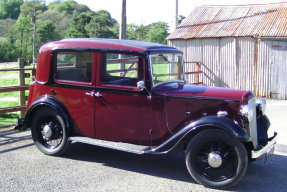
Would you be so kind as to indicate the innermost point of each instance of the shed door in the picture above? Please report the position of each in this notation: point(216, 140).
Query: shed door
point(279, 70)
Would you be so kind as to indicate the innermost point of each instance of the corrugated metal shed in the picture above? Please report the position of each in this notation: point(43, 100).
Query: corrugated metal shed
point(242, 47)
point(226, 62)
point(234, 21)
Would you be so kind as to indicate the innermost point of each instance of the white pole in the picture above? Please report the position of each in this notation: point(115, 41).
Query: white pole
point(123, 24)
point(176, 13)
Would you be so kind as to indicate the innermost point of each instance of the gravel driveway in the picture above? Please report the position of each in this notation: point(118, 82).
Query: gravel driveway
point(88, 168)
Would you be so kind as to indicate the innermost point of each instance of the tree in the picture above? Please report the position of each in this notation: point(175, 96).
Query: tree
point(23, 27)
point(137, 32)
point(68, 7)
point(157, 32)
point(46, 32)
point(78, 29)
point(5, 25)
point(102, 25)
point(10, 8)
point(93, 24)
point(28, 8)
point(61, 21)
point(6, 50)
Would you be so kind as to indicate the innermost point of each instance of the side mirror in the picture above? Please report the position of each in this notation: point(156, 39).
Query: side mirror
point(141, 85)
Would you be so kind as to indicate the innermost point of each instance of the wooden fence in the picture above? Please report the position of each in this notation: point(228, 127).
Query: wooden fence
point(22, 87)
point(196, 72)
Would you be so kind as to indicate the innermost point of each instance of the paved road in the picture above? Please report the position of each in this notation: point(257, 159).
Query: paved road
point(90, 168)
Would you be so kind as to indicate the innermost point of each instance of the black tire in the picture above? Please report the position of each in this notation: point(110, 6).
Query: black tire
point(216, 159)
point(49, 132)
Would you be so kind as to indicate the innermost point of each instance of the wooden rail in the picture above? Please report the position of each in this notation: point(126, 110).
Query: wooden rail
point(13, 88)
point(197, 72)
point(21, 88)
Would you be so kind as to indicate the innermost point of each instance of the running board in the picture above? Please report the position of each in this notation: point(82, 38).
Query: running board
point(131, 148)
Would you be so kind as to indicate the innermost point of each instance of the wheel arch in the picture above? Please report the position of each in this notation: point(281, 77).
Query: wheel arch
point(219, 123)
point(49, 102)
point(180, 140)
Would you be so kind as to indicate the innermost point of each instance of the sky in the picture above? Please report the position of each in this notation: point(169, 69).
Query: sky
point(148, 11)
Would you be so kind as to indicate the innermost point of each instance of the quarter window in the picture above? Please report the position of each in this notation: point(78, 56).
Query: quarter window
point(74, 66)
point(122, 69)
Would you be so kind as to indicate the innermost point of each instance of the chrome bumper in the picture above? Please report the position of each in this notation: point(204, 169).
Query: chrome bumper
point(266, 149)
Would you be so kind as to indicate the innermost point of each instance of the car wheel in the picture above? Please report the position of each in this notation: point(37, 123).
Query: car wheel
point(216, 159)
point(49, 132)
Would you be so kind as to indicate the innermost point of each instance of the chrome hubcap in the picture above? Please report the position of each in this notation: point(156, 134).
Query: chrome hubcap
point(47, 131)
point(214, 160)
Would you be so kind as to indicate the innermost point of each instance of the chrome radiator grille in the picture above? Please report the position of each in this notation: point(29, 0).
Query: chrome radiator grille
point(253, 123)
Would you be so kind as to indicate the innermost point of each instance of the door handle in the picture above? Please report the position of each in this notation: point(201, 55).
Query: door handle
point(94, 94)
point(98, 94)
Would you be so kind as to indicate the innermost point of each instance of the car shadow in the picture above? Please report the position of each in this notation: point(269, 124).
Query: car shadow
point(259, 177)
point(265, 177)
point(170, 166)
point(11, 136)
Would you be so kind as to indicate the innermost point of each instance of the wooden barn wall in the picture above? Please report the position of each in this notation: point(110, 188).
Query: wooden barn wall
point(272, 71)
point(226, 62)
point(245, 63)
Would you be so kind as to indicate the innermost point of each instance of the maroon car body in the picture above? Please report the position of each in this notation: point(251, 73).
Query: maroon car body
point(131, 96)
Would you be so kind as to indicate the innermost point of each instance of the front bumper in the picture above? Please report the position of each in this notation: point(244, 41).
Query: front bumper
point(266, 149)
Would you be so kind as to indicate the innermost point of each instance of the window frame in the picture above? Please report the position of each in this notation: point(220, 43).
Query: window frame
point(101, 69)
point(70, 82)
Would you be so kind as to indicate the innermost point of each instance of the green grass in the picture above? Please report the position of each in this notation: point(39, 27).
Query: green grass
point(8, 72)
point(9, 82)
point(13, 82)
point(8, 119)
point(5, 104)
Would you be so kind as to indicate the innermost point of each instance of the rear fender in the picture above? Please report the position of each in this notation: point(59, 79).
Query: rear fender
point(51, 102)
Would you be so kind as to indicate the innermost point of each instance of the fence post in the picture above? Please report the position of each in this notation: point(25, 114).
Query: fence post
point(197, 69)
point(22, 83)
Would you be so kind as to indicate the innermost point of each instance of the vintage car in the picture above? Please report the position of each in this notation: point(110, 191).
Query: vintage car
point(132, 96)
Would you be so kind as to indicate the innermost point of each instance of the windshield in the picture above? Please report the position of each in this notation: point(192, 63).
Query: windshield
point(166, 67)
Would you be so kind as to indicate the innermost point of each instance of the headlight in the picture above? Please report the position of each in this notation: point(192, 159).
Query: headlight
point(261, 105)
point(247, 111)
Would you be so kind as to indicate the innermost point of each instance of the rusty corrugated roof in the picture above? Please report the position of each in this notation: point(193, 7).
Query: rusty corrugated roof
point(268, 20)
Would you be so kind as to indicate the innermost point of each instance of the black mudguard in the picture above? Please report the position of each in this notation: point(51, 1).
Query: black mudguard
point(44, 101)
point(176, 142)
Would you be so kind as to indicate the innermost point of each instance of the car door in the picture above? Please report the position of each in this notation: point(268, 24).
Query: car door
point(121, 109)
point(73, 84)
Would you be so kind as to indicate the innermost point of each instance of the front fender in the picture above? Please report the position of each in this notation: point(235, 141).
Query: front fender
point(178, 139)
point(47, 101)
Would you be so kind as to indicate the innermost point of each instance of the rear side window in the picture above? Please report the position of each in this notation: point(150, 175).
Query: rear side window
point(74, 66)
point(121, 69)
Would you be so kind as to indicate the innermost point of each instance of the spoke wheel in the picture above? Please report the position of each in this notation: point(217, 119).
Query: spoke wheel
point(49, 132)
point(216, 159)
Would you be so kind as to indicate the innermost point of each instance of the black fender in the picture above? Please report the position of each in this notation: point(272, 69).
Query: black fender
point(176, 142)
point(51, 102)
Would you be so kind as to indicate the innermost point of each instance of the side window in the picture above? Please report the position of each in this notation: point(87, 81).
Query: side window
point(74, 66)
point(121, 69)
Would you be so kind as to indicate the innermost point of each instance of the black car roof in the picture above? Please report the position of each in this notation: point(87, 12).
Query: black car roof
point(148, 46)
